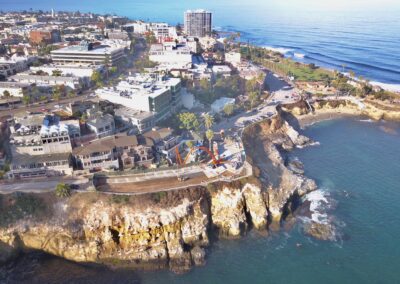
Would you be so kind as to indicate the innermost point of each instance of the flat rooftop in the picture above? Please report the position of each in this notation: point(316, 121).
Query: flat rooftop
point(129, 112)
point(79, 49)
point(13, 85)
point(24, 159)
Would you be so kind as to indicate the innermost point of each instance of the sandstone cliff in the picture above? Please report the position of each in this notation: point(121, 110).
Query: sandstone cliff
point(265, 144)
point(169, 231)
point(166, 229)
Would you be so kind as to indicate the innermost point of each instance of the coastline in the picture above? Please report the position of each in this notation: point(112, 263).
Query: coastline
point(226, 210)
point(325, 115)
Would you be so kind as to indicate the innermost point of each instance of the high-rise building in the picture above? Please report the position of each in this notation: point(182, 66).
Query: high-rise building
point(198, 23)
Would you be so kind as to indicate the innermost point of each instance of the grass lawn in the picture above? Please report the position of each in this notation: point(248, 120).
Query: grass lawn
point(301, 72)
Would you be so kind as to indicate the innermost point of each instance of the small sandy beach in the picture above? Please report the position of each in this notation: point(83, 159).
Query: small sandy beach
point(322, 115)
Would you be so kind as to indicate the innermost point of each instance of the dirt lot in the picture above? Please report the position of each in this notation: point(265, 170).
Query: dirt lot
point(153, 185)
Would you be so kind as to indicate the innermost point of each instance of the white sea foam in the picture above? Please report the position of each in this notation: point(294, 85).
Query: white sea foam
point(318, 202)
point(282, 50)
point(366, 120)
point(316, 143)
point(299, 55)
point(385, 86)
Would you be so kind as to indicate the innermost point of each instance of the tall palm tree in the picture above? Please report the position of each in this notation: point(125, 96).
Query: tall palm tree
point(208, 121)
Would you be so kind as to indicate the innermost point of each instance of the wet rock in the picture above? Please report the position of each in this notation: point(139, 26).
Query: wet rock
point(320, 231)
point(198, 256)
point(296, 166)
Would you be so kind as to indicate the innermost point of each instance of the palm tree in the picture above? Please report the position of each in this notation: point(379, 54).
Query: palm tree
point(63, 190)
point(210, 136)
point(208, 121)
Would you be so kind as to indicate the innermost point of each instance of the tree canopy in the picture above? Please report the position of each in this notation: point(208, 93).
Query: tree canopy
point(188, 121)
point(229, 109)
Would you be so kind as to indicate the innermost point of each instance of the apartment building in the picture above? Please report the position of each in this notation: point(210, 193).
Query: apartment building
point(197, 23)
point(26, 166)
point(171, 55)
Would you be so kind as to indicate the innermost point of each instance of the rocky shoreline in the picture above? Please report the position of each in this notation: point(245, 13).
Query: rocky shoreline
point(173, 230)
point(328, 110)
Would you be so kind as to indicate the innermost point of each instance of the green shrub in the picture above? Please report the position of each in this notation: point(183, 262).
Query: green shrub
point(63, 190)
point(23, 205)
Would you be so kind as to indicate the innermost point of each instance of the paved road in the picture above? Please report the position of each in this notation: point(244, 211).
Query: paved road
point(51, 105)
point(38, 185)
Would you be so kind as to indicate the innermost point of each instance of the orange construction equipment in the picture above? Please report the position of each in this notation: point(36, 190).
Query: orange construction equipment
point(215, 161)
point(178, 156)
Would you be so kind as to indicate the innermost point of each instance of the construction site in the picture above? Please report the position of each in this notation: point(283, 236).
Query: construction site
point(195, 164)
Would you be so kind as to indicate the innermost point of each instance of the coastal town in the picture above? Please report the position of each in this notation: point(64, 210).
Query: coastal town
point(103, 102)
point(137, 144)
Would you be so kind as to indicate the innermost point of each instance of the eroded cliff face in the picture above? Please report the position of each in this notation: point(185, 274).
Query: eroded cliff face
point(265, 143)
point(233, 210)
point(162, 235)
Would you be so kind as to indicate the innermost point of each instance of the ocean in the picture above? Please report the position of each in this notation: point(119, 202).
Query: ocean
point(357, 36)
point(356, 166)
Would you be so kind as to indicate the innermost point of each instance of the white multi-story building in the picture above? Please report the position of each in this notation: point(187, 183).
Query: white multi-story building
point(162, 31)
point(75, 83)
point(40, 134)
point(146, 92)
point(197, 23)
point(136, 120)
point(85, 52)
point(40, 146)
point(171, 55)
point(80, 70)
